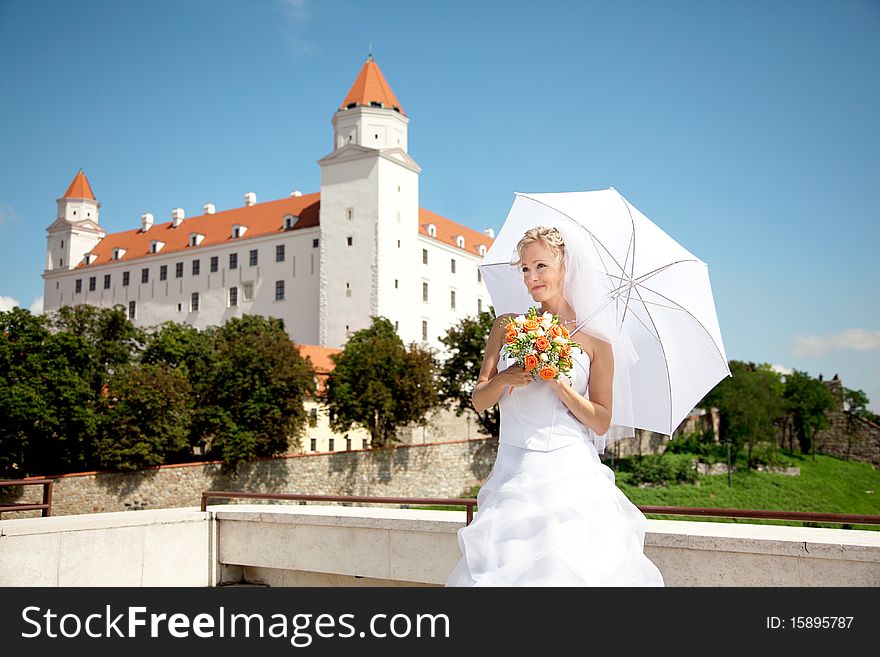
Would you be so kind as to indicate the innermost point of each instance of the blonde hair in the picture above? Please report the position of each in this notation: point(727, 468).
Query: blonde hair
point(550, 236)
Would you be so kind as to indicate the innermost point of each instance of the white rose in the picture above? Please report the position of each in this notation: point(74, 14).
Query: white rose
point(546, 322)
point(544, 357)
point(520, 319)
point(559, 340)
point(540, 332)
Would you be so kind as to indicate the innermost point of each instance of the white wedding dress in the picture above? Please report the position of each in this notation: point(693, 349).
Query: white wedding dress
point(549, 513)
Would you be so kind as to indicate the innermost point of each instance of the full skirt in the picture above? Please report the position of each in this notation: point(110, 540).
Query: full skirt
point(553, 518)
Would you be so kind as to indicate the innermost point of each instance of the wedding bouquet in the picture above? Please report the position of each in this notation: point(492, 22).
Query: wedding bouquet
point(539, 344)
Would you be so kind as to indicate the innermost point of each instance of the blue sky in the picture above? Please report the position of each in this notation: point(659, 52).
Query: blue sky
point(747, 130)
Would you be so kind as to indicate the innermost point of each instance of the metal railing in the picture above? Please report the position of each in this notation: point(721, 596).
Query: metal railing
point(469, 504)
point(45, 507)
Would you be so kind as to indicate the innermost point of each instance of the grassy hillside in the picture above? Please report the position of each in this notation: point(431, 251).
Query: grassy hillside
point(827, 484)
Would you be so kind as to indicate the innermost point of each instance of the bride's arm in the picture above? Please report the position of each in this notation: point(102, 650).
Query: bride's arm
point(594, 412)
point(492, 383)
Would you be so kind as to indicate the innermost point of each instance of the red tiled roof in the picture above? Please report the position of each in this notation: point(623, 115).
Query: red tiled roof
point(320, 357)
point(260, 219)
point(371, 87)
point(447, 230)
point(80, 187)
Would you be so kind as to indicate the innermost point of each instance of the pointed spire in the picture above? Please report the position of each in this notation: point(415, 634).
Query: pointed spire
point(371, 87)
point(80, 188)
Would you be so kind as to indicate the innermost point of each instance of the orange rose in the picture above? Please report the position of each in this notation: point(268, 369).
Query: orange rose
point(565, 349)
point(531, 362)
point(547, 372)
point(542, 344)
point(554, 331)
point(565, 333)
point(530, 325)
point(511, 325)
point(510, 338)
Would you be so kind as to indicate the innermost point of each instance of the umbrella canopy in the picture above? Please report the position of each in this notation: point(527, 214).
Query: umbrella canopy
point(643, 285)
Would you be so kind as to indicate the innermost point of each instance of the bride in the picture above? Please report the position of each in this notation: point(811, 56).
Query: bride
point(549, 513)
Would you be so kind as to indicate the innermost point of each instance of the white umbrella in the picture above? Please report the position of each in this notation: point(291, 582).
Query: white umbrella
point(650, 289)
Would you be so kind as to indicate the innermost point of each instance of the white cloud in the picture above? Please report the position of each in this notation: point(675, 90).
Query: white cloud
point(37, 306)
point(781, 369)
point(295, 9)
point(7, 214)
point(8, 303)
point(852, 339)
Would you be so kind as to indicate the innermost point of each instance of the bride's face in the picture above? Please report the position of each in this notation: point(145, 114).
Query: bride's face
point(541, 276)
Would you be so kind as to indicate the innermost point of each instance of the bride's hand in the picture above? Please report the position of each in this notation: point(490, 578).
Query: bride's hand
point(516, 376)
point(559, 383)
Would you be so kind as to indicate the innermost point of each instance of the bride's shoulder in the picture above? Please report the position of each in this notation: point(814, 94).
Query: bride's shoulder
point(596, 348)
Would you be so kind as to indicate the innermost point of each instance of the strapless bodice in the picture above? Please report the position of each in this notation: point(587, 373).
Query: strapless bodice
point(534, 417)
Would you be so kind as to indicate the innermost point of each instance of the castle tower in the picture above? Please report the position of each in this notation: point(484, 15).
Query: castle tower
point(369, 214)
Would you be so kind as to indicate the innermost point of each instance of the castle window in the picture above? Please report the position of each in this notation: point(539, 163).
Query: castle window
point(233, 261)
point(61, 262)
point(194, 302)
point(163, 272)
point(424, 256)
point(279, 290)
point(395, 283)
point(347, 444)
point(247, 291)
point(215, 263)
point(279, 253)
point(398, 244)
point(479, 306)
point(196, 267)
point(92, 283)
point(424, 330)
point(78, 286)
point(62, 244)
point(313, 446)
point(459, 241)
point(349, 240)
point(125, 279)
point(331, 445)
point(432, 230)
point(233, 297)
point(424, 291)
point(132, 309)
point(349, 214)
point(479, 275)
point(452, 299)
point(252, 257)
point(452, 265)
point(178, 270)
point(288, 222)
point(482, 249)
point(348, 289)
point(145, 275)
point(315, 243)
point(374, 103)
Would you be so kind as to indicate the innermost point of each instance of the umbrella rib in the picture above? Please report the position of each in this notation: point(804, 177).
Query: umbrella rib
point(684, 310)
point(663, 350)
point(647, 275)
point(631, 248)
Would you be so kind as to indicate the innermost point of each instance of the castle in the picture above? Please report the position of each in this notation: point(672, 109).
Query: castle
point(324, 262)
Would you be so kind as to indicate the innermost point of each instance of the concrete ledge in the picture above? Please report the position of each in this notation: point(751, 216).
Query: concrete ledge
point(300, 545)
point(136, 548)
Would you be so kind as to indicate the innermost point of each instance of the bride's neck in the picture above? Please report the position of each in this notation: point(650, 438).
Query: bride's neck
point(560, 307)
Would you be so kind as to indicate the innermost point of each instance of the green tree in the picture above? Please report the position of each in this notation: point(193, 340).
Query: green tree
point(807, 401)
point(251, 403)
point(750, 403)
point(858, 401)
point(110, 336)
point(47, 397)
point(466, 343)
point(146, 417)
point(379, 384)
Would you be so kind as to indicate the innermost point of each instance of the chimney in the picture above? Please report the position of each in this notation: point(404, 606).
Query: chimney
point(250, 198)
point(177, 217)
point(296, 192)
point(209, 208)
point(489, 232)
point(146, 222)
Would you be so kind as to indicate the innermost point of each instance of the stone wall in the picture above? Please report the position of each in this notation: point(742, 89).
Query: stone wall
point(850, 436)
point(430, 470)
